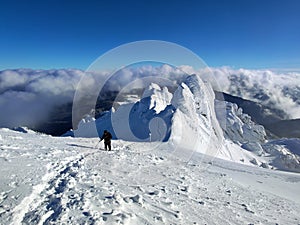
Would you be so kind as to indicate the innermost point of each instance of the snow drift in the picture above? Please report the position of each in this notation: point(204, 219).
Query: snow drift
point(51, 180)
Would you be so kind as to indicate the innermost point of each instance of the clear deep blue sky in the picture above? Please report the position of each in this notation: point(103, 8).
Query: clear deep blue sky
point(72, 34)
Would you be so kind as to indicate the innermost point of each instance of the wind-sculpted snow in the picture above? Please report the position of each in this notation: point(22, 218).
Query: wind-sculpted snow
point(189, 121)
point(185, 119)
point(148, 118)
point(195, 125)
point(159, 98)
point(285, 153)
point(47, 180)
point(239, 127)
point(281, 154)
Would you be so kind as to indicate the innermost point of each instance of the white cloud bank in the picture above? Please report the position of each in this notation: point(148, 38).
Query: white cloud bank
point(28, 96)
point(278, 90)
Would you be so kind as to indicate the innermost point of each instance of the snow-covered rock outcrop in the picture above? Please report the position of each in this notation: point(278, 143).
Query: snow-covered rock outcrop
point(159, 97)
point(86, 127)
point(192, 119)
point(146, 120)
point(285, 153)
point(194, 124)
point(239, 128)
point(185, 119)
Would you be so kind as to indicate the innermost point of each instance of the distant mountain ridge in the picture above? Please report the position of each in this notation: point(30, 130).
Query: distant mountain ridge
point(285, 128)
point(271, 89)
point(270, 118)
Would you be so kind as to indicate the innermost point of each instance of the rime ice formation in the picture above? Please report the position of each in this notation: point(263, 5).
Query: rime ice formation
point(192, 119)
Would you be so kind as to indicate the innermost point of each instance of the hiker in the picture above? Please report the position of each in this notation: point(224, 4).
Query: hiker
point(107, 139)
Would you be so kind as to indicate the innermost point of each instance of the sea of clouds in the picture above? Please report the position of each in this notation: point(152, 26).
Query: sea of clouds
point(27, 97)
point(275, 89)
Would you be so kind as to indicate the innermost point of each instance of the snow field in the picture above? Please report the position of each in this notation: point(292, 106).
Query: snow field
point(46, 180)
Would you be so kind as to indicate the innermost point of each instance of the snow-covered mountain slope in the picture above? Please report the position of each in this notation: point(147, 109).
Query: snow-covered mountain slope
point(260, 113)
point(280, 154)
point(50, 180)
point(284, 153)
point(187, 119)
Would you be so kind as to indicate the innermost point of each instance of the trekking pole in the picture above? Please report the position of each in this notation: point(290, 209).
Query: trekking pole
point(97, 144)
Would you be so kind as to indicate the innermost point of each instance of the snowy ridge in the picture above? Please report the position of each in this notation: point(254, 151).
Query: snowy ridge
point(162, 178)
point(186, 119)
point(192, 119)
point(195, 126)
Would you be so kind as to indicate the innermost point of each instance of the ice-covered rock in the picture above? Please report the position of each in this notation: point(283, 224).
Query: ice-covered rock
point(148, 119)
point(187, 119)
point(159, 97)
point(86, 127)
point(285, 153)
point(253, 147)
point(238, 126)
point(194, 124)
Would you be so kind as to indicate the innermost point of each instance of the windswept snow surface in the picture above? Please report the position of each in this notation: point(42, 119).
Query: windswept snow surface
point(51, 180)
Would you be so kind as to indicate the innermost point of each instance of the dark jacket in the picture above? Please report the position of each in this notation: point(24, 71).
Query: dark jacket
point(106, 136)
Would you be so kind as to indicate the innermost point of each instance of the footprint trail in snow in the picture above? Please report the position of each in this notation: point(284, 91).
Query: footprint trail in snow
point(46, 180)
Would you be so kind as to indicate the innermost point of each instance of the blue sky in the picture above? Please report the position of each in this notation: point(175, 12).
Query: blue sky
point(72, 34)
